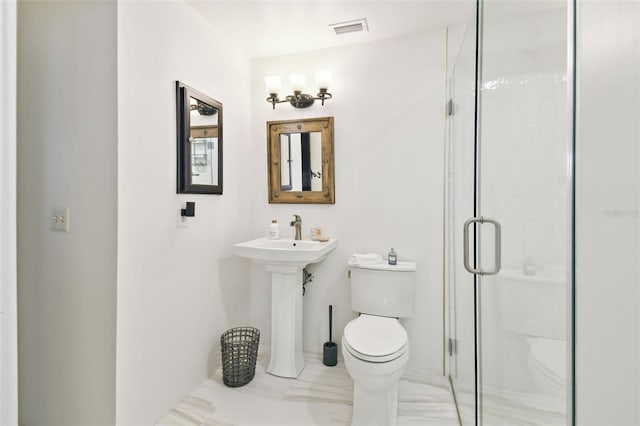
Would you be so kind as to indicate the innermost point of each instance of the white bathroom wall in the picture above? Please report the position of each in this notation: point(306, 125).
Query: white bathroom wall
point(67, 157)
point(388, 106)
point(178, 288)
point(608, 214)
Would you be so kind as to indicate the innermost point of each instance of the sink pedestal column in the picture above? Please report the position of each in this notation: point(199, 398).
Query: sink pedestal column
point(286, 321)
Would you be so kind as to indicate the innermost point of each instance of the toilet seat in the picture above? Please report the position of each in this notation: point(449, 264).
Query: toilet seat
point(375, 339)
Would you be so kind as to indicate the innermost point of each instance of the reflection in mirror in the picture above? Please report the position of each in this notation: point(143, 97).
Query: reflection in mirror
point(301, 161)
point(204, 143)
point(199, 142)
point(285, 162)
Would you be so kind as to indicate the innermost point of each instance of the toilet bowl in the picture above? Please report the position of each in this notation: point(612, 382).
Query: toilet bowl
point(375, 346)
point(375, 351)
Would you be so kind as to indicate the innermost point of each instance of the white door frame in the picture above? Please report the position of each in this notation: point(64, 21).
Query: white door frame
point(8, 268)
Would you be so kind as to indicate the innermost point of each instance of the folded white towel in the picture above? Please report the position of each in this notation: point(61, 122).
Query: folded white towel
point(365, 259)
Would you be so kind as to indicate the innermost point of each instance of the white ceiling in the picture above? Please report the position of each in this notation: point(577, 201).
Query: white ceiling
point(270, 28)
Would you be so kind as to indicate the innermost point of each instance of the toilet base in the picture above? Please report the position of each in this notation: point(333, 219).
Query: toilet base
point(375, 388)
point(375, 408)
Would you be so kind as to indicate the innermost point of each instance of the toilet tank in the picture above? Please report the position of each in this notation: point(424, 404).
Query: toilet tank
point(383, 289)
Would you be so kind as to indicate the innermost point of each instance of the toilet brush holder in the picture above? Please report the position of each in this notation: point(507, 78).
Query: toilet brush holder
point(330, 349)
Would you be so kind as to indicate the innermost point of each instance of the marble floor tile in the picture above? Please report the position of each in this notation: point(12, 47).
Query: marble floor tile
point(320, 396)
point(502, 407)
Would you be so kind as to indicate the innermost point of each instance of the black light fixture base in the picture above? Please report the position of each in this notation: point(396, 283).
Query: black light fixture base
point(301, 101)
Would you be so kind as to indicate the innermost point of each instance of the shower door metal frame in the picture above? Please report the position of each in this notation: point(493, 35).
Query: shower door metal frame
point(477, 260)
point(572, 72)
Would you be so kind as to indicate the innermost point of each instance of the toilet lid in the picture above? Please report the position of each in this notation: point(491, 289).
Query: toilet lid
point(374, 336)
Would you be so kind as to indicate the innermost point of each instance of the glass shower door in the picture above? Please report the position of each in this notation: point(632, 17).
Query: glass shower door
point(523, 183)
point(459, 206)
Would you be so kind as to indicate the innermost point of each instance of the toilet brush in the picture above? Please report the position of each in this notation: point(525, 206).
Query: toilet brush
point(330, 349)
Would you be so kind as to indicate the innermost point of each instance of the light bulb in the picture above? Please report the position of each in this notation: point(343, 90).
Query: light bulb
point(323, 79)
point(273, 83)
point(297, 82)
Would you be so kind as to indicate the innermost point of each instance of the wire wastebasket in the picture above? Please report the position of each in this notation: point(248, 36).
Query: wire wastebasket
point(239, 355)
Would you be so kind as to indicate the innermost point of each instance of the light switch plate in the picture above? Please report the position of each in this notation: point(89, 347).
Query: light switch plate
point(60, 219)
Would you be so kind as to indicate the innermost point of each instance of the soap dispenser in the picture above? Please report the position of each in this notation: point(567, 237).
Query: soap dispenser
point(529, 266)
point(274, 230)
point(392, 257)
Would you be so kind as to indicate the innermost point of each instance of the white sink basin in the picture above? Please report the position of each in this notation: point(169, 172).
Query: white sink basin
point(294, 244)
point(285, 250)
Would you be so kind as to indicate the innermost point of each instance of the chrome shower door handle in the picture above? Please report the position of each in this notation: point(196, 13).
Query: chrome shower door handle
point(465, 245)
point(497, 246)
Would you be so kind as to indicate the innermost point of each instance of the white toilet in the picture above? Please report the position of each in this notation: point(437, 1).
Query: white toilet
point(375, 346)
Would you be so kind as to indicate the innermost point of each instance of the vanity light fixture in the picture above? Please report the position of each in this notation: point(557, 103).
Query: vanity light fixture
point(297, 83)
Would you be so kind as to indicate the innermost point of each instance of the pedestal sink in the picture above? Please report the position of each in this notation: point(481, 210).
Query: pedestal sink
point(285, 259)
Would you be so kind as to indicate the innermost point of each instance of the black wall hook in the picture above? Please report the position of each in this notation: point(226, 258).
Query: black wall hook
point(190, 211)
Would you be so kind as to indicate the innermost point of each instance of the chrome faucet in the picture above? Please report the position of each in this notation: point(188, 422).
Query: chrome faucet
point(297, 222)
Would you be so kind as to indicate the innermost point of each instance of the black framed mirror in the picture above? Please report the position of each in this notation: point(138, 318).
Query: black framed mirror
point(199, 142)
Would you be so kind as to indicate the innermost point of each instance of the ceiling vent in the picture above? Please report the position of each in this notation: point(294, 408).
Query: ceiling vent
point(350, 26)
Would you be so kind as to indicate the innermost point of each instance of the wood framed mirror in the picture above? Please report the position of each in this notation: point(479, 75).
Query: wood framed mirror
point(199, 142)
point(300, 161)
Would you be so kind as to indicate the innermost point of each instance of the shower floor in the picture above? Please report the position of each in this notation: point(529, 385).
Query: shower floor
point(512, 408)
point(320, 396)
